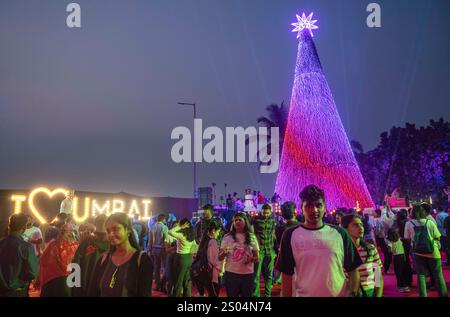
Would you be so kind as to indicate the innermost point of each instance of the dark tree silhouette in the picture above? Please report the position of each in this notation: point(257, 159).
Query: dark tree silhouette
point(277, 116)
point(414, 160)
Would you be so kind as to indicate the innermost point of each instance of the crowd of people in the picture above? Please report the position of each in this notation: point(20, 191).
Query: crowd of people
point(311, 253)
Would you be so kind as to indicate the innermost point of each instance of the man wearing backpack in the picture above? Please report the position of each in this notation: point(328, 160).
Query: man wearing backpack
point(440, 221)
point(424, 236)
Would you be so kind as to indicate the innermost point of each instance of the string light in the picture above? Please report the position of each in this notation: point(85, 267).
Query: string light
point(276, 208)
point(75, 215)
point(101, 210)
point(118, 206)
point(50, 194)
point(316, 149)
point(90, 209)
point(134, 209)
point(18, 200)
point(304, 22)
point(146, 203)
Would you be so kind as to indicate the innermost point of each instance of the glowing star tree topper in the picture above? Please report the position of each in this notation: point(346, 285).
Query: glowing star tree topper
point(304, 22)
point(316, 149)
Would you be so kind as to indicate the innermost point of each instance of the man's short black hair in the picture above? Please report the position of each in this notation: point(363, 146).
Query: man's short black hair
point(161, 217)
point(266, 206)
point(427, 208)
point(312, 193)
point(62, 216)
point(208, 207)
point(18, 222)
point(288, 210)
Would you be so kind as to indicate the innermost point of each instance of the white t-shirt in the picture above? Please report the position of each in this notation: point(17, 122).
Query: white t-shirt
point(432, 231)
point(317, 259)
point(33, 234)
point(184, 246)
point(66, 206)
point(240, 252)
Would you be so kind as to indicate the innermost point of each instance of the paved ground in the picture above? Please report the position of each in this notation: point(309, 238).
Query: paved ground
point(390, 287)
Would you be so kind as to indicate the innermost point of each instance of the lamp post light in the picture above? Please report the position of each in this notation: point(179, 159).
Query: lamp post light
point(195, 164)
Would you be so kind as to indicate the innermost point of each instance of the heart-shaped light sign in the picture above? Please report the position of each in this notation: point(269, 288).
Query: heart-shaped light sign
point(50, 194)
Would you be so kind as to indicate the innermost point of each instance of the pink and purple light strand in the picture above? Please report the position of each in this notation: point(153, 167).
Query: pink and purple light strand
point(316, 149)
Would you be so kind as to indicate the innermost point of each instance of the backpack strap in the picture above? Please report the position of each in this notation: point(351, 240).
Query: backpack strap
point(104, 256)
point(424, 225)
point(139, 259)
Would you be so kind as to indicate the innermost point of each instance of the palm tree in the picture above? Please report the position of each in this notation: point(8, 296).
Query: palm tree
point(356, 147)
point(277, 117)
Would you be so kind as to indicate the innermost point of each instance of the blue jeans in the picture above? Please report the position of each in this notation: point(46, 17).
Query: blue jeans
point(170, 273)
point(158, 255)
point(424, 265)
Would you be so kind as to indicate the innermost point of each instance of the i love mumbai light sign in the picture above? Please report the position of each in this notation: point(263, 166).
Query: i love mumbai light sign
point(90, 207)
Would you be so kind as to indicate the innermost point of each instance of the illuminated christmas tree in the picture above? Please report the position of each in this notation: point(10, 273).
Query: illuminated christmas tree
point(316, 149)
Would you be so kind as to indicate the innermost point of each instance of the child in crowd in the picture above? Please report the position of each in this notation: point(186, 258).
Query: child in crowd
point(395, 246)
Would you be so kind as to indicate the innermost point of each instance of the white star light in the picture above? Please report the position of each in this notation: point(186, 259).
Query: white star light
point(304, 23)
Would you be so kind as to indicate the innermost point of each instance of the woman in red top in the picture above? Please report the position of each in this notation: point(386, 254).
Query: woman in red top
point(53, 264)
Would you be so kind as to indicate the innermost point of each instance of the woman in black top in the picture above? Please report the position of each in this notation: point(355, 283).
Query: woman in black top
point(400, 222)
point(124, 271)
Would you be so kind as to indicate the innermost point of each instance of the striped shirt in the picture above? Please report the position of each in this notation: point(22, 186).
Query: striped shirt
point(370, 264)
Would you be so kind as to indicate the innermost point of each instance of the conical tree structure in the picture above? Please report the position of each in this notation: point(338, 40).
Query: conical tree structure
point(316, 149)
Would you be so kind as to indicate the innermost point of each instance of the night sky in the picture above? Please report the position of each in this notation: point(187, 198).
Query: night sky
point(93, 108)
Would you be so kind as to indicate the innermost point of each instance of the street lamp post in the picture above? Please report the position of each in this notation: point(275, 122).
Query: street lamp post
point(195, 164)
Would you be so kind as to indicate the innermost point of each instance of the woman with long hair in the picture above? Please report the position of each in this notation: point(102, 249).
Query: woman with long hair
point(186, 246)
point(54, 261)
point(369, 256)
point(209, 251)
point(369, 233)
point(124, 271)
point(240, 250)
point(395, 246)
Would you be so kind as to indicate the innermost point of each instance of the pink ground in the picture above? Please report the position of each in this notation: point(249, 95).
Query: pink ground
point(390, 286)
